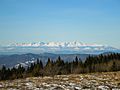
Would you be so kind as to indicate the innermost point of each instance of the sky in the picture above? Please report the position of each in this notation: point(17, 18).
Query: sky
point(87, 21)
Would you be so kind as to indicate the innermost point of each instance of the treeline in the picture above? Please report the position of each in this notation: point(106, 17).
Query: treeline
point(100, 63)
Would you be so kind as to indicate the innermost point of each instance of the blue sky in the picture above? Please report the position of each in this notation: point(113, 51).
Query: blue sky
point(88, 21)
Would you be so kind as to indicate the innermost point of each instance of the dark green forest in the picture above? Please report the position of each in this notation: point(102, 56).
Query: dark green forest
point(100, 63)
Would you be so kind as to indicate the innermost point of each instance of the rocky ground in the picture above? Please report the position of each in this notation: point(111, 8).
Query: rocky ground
point(93, 81)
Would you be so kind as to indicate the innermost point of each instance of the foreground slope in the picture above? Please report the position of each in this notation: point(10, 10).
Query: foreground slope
point(100, 81)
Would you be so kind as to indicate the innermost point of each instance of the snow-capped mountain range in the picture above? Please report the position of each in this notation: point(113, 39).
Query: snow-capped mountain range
point(57, 47)
point(55, 44)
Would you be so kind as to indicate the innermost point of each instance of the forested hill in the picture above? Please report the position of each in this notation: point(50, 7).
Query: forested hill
point(26, 59)
point(100, 63)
